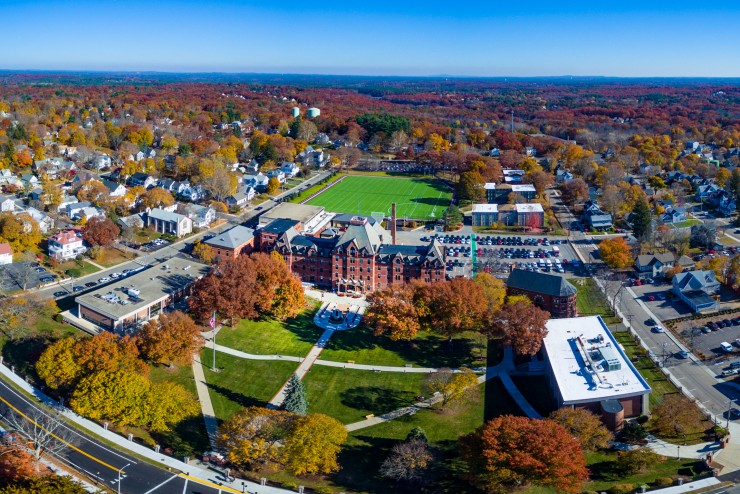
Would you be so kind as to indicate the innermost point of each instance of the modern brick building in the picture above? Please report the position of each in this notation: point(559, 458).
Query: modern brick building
point(550, 292)
point(355, 260)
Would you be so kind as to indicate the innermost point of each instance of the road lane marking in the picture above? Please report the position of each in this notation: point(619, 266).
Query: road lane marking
point(185, 487)
point(220, 488)
point(160, 485)
point(72, 430)
point(57, 437)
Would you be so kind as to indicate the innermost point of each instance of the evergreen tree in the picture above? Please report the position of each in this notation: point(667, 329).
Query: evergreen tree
point(295, 396)
point(417, 433)
point(642, 220)
point(453, 218)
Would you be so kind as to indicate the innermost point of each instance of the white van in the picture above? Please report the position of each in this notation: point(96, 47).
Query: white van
point(726, 347)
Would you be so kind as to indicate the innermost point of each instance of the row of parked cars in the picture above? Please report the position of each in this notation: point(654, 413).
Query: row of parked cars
point(91, 284)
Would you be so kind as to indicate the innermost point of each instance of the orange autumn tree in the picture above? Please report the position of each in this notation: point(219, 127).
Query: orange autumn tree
point(172, 338)
point(616, 252)
point(508, 453)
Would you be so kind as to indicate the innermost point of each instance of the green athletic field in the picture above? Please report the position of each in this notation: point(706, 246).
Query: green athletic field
point(415, 198)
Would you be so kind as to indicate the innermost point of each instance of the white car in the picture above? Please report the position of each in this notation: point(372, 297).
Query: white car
point(104, 279)
point(659, 329)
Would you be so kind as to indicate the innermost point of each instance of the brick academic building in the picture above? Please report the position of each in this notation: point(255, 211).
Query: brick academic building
point(353, 259)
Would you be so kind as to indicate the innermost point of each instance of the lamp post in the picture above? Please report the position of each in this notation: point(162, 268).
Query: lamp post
point(119, 476)
point(729, 410)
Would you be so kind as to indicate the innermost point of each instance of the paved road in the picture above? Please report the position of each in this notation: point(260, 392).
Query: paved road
point(102, 463)
point(695, 378)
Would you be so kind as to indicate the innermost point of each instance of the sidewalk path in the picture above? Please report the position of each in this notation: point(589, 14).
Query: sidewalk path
point(506, 366)
point(303, 368)
point(206, 406)
point(192, 471)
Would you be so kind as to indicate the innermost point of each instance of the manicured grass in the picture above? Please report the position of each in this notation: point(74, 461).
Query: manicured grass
point(293, 337)
point(77, 271)
point(605, 474)
point(23, 352)
point(416, 198)
point(348, 395)
point(426, 350)
point(685, 224)
point(110, 257)
point(314, 189)
point(591, 301)
point(242, 383)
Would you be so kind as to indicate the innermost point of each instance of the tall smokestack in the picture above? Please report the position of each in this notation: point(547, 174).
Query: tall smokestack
point(393, 223)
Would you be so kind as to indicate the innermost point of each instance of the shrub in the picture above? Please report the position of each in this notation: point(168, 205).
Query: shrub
point(621, 489)
point(291, 486)
point(642, 419)
point(663, 482)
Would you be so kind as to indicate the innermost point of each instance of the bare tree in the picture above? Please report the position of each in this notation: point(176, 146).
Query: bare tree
point(408, 461)
point(40, 434)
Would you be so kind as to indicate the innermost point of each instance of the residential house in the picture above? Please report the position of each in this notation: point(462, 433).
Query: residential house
point(241, 197)
point(115, 189)
point(66, 244)
point(706, 191)
point(673, 215)
point(6, 254)
point(232, 243)
point(168, 222)
point(73, 209)
point(168, 184)
point(142, 179)
point(259, 181)
point(54, 167)
point(485, 215)
point(66, 200)
point(278, 174)
point(7, 205)
point(252, 166)
point(46, 222)
point(101, 161)
point(202, 216)
point(550, 292)
point(6, 176)
point(193, 193)
point(696, 288)
point(133, 221)
point(727, 204)
point(645, 169)
point(290, 169)
point(686, 263)
point(36, 194)
point(530, 151)
point(495, 152)
point(595, 218)
point(563, 176)
point(29, 181)
point(654, 265)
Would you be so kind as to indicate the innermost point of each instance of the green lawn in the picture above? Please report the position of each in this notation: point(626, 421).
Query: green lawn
point(77, 271)
point(416, 198)
point(591, 301)
point(426, 350)
point(242, 383)
point(293, 337)
point(348, 395)
point(686, 224)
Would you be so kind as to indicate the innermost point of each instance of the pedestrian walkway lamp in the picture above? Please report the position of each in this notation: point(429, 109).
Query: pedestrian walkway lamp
point(119, 476)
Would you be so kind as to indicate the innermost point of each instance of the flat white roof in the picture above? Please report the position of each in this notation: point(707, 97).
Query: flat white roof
point(485, 208)
point(587, 362)
point(489, 185)
point(513, 172)
point(531, 207)
point(522, 188)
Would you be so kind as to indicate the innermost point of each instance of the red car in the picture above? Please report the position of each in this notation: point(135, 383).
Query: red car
point(638, 283)
point(651, 298)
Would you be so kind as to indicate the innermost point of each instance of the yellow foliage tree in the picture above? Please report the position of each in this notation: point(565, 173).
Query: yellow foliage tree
point(615, 252)
point(168, 404)
point(312, 445)
point(253, 435)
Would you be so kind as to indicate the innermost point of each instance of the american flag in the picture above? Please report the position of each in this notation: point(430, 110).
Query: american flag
point(212, 322)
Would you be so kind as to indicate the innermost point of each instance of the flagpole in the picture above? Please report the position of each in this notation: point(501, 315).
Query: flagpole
point(213, 338)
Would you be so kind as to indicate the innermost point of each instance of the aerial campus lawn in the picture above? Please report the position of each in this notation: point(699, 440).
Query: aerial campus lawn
point(416, 198)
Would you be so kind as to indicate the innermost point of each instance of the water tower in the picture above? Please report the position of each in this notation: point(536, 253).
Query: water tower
point(296, 112)
point(313, 112)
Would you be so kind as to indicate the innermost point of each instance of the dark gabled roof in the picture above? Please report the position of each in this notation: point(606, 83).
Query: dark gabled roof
point(548, 284)
point(279, 226)
point(232, 238)
point(365, 238)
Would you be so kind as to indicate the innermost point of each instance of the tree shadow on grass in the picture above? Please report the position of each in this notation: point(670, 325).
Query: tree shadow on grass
point(23, 354)
point(238, 398)
point(376, 399)
point(432, 351)
point(303, 327)
point(186, 439)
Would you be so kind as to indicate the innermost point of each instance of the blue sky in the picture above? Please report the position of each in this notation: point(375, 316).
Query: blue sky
point(403, 37)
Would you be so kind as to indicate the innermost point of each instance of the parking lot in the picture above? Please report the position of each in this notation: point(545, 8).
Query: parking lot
point(23, 275)
point(658, 299)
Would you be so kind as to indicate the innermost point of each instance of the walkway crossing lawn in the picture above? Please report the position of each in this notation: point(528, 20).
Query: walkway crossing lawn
point(426, 350)
point(293, 337)
point(242, 383)
point(416, 198)
point(348, 395)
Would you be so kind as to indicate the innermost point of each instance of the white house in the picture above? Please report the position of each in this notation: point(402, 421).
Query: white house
point(101, 161)
point(29, 181)
point(46, 222)
point(259, 181)
point(202, 216)
point(277, 173)
point(65, 245)
point(290, 169)
point(116, 189)
point(6, 254)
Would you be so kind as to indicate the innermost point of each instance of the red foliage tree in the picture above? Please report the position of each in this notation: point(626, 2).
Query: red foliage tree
point(100, 232)
point(520, 324)
point(509, 452)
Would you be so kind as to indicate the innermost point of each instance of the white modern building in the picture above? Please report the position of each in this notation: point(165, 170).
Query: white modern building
point(587, 368)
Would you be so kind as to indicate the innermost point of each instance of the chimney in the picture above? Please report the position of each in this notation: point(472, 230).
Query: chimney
point(393, 223)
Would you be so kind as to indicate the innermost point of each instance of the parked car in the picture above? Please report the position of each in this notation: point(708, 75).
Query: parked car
point(78, 288)
point(46, 279)
point(40, 270)
point(682, 354)
point(658, 328)
point(651, 298)
point(60, 293)
point(104, 279)
point(90, 284)
point(728, 372)
point(705, 330)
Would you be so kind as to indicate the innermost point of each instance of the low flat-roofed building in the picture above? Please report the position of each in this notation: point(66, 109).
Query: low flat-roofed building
point(232, 243)
point(589, 369)
point(303, 213)
point(141, 296)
